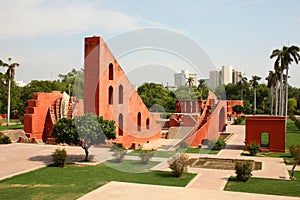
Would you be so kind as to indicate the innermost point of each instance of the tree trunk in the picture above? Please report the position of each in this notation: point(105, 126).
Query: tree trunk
point(271, 100)
point(86, 151)
point(254, 101)
point(286, 93)
point(8, 102)
point(293, 169)
point(276, 98)
point(281, 95)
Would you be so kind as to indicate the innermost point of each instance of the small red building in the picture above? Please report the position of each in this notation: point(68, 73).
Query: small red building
point(268, 131)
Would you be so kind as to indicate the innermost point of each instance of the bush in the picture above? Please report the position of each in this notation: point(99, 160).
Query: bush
point(145, 156)
point(297, 123)
point(238, 120)
point(253, 148)
point(59, 157)
point(178, 164)
point(4, 139)
point(184, 145)
point(21, 120)
point(243, 171)
point(119, 153)
point(292, 116)
point(216, 144)
point(117, 146)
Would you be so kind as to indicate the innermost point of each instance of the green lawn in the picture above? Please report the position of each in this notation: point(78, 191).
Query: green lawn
point(292, 134)
point(266, 186)
point(132, 166)
point(11, 127)
point(201, 151)
point(159, 154)
point(74, 181)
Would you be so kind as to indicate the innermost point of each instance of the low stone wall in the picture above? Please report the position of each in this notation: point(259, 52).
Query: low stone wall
point(221, 163)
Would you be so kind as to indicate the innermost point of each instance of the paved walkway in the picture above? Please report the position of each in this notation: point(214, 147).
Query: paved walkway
point(131, 191)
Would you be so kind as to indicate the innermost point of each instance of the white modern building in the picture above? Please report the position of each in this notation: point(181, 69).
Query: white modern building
point(226, 75)
point(181, 78)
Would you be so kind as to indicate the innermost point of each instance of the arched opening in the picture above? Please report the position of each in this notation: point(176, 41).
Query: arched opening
point(111, 72)
point(110, 95)
point(120, 125)
point(222, 120)
point(147, 123)
point(121, 94)
point(265, 139)
point(139, 121)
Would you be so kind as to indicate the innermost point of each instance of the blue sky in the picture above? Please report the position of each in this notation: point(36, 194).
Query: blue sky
point(46, 37)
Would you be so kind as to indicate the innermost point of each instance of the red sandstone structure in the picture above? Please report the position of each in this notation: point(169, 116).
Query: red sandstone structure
point(109, 93)
point(268, 131)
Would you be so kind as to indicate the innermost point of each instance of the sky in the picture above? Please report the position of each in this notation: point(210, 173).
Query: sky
point(47, 37)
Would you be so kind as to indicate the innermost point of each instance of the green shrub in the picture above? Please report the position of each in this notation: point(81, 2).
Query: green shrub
point(145, 156)
point(238, 120)
point(117, 146)
point(292, 116)
point(119, 154)
point(4, 139)
point(253, 148)
point(21, 120)
point(243, 171)
point(297, 123)
point(178, 164)
point(184, 145)
point(216, 144)
point(59, 157)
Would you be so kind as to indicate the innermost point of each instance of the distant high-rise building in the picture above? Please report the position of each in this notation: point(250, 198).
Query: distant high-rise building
point(224, 76)
point(214, 79)
point(181, 78)
point(236, 75)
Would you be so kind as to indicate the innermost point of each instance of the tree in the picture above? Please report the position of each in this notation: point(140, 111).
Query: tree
point(243, 82)
point(272, 80)
point(254, 84)
point(155, 94)
point(292, 105)
point(11, 71)
point(85, 131)
point(189, 83)
point(295, 153)
point(201, 86)
point(284, 58)
point(238, 109)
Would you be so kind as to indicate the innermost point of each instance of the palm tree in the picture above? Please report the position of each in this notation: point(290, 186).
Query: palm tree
point(254, 84)
point(284, 58)
point(201, 86)
point(10, 73)
point(272, 83)
point(242, 83)
point(189, 83)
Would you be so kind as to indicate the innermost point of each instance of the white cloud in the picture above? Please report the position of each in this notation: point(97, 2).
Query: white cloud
point(36, 17)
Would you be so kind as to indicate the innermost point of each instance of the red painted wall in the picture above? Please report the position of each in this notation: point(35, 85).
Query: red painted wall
point(97, 82)
point(275, 126)
point(36, 112)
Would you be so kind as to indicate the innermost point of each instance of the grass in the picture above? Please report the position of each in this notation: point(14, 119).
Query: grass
point(292, 134)
point(201, 151)
point(74, 181)
point(132, 166)
point(159, 154)
point(11, 127)
point(266, 186)
point(168, 154)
